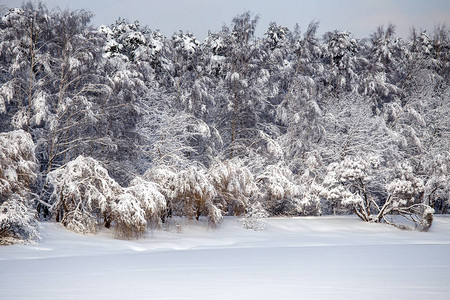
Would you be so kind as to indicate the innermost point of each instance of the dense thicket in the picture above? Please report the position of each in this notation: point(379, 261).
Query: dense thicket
point(290, 123)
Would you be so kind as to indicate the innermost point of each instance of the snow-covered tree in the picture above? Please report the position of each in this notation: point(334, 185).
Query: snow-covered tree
point(18, 164)
point(235, 185)
point(406, 198)
point(437, 189)
point(189, 192)
point(18, 168)
point(349, 184)
point(421, 121)
point(309, 188)
point(194, 195)
point(341, 52)
point(441, 47)
point(175, 138)
point(77, 96)
point(253, 217)
point(25, 63)
point(346, 184)
point(281, 195)
point(52, 87)
point(351, 128)
point(299, 110)
point(82, 194)
point(277, 36)
point(185, 54)
point(241, 102)
point(18, 223)
point(138, 204)
point(387, 55)
point(124, 39)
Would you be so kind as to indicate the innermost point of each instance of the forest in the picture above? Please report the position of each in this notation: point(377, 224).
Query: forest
point(124, 128)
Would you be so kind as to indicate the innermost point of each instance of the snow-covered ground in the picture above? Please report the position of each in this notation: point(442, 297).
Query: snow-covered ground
point(293, 258)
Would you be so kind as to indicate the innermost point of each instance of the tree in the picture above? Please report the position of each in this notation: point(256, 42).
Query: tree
point(18, 223)
point(387, 55)
point(186, 66)
point(18, 166)
point(53, 88)
point(124, 40)
point(235, 185)
point(242, 104)
point(300, 109)
point(23, 41)
point(189, 192)
point(349, 184)
point(341, 53)
point(351, 128)
point(77, 95)
point(421, 120)
point(194, 195)
point(406, 198)
point(137, 205)
point(282, 195)
point(175, 138)
point(277, 36)
point(82, 195)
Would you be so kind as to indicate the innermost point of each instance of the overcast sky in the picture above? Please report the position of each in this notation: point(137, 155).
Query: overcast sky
point(198, 16)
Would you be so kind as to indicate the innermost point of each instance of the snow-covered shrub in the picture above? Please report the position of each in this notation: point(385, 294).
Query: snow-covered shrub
point(281, 194)
point(253, 217)
point(151, 199)
point(137, 204)
point(194, 195)
point(128, 215)
point(188, 192)
point(164, 177)
point(17, 173)
point(82, 193)
point(18, 222)
point(235, 185)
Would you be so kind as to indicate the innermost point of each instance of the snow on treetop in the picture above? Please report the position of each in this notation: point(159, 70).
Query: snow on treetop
point(12, 14)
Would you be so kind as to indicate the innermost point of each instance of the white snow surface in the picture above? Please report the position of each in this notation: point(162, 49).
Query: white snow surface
point(293, 258)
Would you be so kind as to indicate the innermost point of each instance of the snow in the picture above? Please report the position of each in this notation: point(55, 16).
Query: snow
point(292, 258)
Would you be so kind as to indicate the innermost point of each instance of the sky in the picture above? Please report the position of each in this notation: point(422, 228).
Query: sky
point(360, 17)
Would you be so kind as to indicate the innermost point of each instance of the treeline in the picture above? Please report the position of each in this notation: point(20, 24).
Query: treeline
point(121, 126)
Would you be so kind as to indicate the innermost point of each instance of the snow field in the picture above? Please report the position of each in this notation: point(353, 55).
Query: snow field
point(293, 258)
